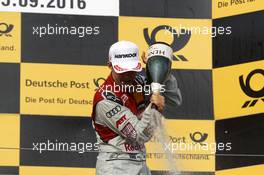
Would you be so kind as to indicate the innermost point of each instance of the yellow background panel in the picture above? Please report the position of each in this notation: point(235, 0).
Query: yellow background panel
point(80, 91)
point(9, 157)
point(228, 95)
point(10, 45)
point(235, 7)
point(250, 170)
point(179, 131)
point(198, 50)
point(9, 139)
point(33, 170)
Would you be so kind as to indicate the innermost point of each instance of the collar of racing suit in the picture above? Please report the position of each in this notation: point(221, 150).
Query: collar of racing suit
point(135, 101)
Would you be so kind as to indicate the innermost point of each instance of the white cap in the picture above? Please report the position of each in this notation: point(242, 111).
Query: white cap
point(124, 56)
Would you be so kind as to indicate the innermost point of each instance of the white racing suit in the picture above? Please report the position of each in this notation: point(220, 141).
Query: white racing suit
point(123, 124)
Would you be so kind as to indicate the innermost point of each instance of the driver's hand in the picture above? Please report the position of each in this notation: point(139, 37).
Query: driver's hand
point(143, 57)
point(159, 101)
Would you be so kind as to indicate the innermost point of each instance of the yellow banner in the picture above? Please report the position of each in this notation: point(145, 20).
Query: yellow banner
point(238, 90)
point(191, 144)
point(190, 39)
point(54, 89)
point(224, 8)
point(33, 170)
point(10, 37)
point(256, 170)
point(9, 139)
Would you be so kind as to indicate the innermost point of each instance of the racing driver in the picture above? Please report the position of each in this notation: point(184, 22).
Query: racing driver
point(121, 118)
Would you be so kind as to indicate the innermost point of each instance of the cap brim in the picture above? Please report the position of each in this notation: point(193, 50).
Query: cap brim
point(119, 69)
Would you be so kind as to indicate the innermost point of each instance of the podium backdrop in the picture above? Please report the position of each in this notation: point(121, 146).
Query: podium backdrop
point(52, 60)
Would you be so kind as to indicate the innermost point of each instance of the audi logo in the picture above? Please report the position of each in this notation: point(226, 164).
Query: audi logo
point(113, 111)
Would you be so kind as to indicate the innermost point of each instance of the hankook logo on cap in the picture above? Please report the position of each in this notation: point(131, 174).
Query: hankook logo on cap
point(126, 55)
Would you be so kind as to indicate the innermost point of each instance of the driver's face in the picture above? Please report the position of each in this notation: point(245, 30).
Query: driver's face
point(124, 78)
